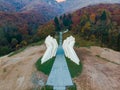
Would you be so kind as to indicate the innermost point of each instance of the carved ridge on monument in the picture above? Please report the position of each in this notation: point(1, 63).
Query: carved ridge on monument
point(52, 46)
point(68, 44)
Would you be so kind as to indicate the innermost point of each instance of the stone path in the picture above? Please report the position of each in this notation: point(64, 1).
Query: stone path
point(60, 76)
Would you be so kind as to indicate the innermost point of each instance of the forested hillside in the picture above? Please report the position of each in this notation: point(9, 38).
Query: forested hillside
point(98, 23)
point(19, 21)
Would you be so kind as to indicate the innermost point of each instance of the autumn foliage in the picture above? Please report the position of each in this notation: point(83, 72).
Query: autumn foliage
point(99, 23)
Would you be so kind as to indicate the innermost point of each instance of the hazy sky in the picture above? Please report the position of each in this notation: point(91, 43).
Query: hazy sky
point(60, 0)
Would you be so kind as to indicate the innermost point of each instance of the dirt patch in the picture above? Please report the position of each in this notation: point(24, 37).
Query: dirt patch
point(16, 71)
point(106, 53)
point(97, 74)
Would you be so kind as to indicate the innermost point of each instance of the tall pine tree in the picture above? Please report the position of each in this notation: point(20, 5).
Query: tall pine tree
point(57, 24)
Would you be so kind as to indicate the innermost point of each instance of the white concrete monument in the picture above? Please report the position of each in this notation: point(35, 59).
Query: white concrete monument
point(52, 46)
point(69, 51)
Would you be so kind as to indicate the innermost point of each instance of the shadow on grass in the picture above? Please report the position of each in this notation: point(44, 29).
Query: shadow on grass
point(75, 70)
point(45, 67)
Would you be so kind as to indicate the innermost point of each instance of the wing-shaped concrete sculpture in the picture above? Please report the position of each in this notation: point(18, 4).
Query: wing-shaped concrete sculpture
point(69, 51)
point(52, 46)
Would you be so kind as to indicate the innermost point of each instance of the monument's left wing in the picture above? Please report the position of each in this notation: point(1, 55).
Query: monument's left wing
point(52, 46)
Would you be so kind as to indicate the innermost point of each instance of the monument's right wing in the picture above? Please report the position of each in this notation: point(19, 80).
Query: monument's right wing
point(69, 51)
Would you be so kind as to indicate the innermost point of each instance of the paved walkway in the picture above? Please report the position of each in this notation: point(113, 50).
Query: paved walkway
point(60, 76)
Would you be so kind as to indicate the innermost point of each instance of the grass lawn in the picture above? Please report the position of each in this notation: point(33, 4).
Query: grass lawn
point(74, 69)
point(17, 51)
point(47, 88)
point(74, 87)
point(45, 67)
point(80, 41)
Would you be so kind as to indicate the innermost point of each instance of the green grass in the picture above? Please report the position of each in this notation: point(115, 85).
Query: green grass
point(85, 43)
point(68, 87)
point(36, 43)
point(74, 87)
point(80, 41)
point(17, 51)
point(45, 67)
point(107, 60)
point(4, 70)
point(47, 88)
point(98, 56)
point(74, 69)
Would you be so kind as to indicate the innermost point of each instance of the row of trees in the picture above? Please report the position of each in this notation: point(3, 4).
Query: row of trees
point(63, 22)
point(98, 26)
point(12, 39)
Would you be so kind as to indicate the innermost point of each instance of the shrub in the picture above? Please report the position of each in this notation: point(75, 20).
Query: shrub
point(4, 50)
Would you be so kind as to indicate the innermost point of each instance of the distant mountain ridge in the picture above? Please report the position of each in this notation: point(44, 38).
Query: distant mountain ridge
point(18, 5)
point(31, 13)
point(34, 13)
point(72, 5)
point(66, 6)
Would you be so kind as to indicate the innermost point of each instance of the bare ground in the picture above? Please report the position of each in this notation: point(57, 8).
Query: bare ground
point(101, 69)
point(99, 73)
point(16, 71)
